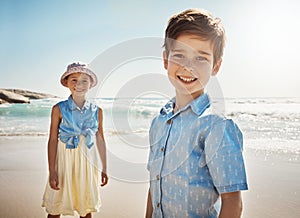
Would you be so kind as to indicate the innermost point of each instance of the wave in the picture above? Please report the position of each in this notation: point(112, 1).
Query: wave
point(263, 100)
point(110, 132)
point(24, 134)
point(42, 108)
point(257, 117)
point(281, 109)
point(37, 108)
point(266, 116)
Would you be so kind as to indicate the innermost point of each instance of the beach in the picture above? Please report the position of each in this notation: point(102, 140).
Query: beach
point(274, 183)
point(270, 128)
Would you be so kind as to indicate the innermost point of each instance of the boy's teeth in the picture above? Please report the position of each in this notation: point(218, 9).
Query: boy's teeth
point(187, 79)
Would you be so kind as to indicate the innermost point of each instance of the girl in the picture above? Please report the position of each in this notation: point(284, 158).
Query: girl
point(76, 139)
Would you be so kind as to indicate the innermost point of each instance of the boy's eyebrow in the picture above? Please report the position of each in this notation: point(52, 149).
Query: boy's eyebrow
point(199, 51)
point(204, 52)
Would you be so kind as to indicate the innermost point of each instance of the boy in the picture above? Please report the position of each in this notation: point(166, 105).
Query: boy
point(195, 155)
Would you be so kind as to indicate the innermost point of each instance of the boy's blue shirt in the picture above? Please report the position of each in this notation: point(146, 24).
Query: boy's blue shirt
point(195, 155)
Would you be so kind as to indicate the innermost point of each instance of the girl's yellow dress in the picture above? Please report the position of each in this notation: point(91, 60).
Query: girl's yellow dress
point(78, 176)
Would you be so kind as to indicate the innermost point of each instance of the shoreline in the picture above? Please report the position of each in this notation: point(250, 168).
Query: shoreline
point(273, 178)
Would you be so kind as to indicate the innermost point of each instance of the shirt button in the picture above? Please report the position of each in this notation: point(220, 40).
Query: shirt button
point(157, 177)
point(162, 149)
point(158, 205)
point(169, 122)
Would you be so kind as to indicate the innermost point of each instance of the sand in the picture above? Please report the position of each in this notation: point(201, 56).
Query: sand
point(274, 184)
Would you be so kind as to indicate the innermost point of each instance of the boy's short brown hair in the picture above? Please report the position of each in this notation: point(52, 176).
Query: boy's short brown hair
point(197, 22)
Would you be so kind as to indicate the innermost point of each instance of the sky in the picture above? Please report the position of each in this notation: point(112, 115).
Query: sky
point(38, 39)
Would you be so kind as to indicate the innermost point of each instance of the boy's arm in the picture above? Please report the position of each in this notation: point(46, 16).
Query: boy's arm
point(231, 205)
point(229, 149)
point(149, 208)
point(52, 146)
point(101, 147)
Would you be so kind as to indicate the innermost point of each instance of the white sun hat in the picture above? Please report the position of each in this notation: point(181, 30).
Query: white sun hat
point(78, 68)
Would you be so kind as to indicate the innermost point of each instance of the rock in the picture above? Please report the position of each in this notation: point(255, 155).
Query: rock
point(11, 97)
point(2, 101)
point(30, 94)
point(21, 96)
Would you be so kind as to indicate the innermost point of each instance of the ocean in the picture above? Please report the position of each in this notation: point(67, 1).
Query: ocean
point(271, 124)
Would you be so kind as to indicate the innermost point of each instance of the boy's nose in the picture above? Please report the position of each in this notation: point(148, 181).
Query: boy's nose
point(188, 65)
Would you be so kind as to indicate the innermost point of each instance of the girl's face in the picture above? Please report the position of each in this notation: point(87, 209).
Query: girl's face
point(79, 83)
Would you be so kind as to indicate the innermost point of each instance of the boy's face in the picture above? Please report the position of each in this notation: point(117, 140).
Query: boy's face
point(190, 64)
point(79, 83)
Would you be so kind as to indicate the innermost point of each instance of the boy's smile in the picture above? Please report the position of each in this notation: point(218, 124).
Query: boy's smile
point(187, 80)
point(190, 64)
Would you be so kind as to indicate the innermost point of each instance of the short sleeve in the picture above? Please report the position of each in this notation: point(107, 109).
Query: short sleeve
point(224, 157)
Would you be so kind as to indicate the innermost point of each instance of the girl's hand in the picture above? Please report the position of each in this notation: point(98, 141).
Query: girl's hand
point(104, 178)
point(53, 180)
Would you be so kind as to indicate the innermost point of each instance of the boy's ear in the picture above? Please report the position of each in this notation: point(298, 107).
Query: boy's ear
point(217, 67)
point(165, 60)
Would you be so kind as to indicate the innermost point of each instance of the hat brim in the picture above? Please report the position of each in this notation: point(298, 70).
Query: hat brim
point(79, 69)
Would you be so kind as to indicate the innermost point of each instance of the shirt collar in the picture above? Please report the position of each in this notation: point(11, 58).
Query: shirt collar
point(198, 106)
point(168, 108)
point(73, 106)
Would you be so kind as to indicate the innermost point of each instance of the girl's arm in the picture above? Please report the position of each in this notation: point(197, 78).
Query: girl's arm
point(100, 141)
point(52, 146)
point(231, 205)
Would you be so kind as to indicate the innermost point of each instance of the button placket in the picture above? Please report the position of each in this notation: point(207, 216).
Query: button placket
point(162, 149)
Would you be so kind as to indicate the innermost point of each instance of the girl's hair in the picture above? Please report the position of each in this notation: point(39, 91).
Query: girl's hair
point(196, 22)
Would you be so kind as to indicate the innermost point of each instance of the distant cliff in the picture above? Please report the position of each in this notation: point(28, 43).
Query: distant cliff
point(21, 96)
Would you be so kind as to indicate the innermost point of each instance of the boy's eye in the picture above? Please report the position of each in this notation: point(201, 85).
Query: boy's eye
point(201, 58)
point(177, 56)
